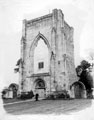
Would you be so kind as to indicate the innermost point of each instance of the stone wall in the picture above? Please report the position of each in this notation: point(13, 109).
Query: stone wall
point(68, 36)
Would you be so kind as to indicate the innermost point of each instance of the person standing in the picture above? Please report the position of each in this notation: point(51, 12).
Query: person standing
point(36, 96)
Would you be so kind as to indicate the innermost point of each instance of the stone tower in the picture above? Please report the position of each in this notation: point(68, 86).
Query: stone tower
point(47, 53)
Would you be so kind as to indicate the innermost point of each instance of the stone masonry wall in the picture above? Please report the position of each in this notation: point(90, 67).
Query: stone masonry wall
point(33, 29)
point(70, 54)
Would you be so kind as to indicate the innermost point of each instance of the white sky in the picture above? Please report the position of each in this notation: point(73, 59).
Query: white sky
point(78, 13)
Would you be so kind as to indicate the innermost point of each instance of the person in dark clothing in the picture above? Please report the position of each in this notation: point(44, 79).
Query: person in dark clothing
point(36, 96)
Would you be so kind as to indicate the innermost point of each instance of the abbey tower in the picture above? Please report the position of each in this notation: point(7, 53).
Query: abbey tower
point(47, 53)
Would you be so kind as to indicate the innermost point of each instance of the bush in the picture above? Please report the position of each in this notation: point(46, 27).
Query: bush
point(50, 97)
point(26, 95)
point(58, 95)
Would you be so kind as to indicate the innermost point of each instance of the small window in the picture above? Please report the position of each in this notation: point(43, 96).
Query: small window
point(40, 65)
point(59, 62)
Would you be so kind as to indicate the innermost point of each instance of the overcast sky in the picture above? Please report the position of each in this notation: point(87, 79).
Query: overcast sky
point(78, 14)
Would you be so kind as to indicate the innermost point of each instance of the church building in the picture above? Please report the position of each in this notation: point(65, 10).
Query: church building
point(47, 53)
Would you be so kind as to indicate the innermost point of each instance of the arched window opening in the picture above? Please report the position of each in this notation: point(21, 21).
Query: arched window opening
point(41, 57)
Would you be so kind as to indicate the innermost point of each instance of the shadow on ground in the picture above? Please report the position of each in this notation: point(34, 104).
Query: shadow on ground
point(48, 107)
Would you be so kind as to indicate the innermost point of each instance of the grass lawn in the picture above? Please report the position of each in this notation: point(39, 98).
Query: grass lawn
point(48, 106)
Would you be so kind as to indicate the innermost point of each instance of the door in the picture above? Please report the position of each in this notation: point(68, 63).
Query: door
point(41, 93)
point(78, 91)
point(40, 88)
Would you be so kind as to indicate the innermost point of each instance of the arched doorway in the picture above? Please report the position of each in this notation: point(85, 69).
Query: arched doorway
point(40, 87)
point(79, 90)
point(14, 88)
